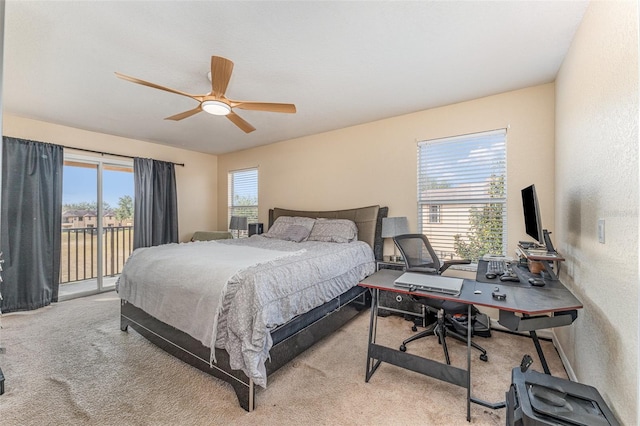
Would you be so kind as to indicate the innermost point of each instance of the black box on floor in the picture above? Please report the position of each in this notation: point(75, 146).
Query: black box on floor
point(540, 399)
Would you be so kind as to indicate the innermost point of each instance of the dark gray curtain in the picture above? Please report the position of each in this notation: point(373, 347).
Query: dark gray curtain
point(155, 205)
point(31, 223)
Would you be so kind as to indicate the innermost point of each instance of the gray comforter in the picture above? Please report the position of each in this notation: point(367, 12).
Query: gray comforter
point(193, 288)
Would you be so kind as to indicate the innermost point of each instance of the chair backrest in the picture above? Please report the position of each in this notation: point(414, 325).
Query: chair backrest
point(417, 253)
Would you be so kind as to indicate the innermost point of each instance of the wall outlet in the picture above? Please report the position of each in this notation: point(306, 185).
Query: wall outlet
point(601, 231)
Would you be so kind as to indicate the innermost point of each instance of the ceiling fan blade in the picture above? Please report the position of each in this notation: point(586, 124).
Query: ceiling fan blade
point(185, 114)
point(156, 86)
point(240, 122)
point(264, 106)
point(221, 69)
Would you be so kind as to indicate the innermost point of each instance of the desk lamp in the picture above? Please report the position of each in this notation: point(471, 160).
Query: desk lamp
point(392, 226)
point(238, 223)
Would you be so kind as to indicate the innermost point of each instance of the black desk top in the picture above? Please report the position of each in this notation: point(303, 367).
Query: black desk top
point(524, 299)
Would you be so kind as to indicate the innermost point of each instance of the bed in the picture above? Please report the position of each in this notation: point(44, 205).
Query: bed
point(266, 313)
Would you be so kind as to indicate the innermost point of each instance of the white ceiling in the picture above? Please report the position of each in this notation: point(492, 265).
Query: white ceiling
point(341, 63)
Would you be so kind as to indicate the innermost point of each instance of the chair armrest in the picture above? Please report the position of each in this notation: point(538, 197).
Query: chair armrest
point(447, 263)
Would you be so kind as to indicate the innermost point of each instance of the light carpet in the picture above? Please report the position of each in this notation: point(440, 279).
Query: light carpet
point(69, 364)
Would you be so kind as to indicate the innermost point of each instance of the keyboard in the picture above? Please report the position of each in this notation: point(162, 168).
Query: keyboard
point(497, 267)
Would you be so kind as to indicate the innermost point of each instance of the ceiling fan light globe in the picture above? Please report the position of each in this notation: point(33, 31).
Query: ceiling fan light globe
point(216, 107)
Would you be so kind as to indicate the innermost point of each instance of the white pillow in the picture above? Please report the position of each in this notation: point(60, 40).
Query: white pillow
point(290, 228)
point(334, 231)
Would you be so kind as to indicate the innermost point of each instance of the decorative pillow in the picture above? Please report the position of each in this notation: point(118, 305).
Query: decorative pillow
point(290, 228)
point(334, 231)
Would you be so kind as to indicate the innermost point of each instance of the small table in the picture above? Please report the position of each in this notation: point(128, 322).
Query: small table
point(529, 301)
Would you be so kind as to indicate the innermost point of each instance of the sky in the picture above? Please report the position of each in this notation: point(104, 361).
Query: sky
point(80, 185)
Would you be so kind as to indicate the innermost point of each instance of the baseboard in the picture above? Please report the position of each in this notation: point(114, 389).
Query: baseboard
point(563, 357)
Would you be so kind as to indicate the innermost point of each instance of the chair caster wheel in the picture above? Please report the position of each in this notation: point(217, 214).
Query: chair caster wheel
point(414, 328)
point(484, 357)
point(403, 348)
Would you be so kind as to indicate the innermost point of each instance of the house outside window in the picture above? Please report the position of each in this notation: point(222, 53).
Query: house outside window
point(243, 195)
point(434, 213)
point(462, 194)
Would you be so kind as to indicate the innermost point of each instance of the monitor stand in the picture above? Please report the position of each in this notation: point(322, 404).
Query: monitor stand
point(546, 257)
point(547, 241)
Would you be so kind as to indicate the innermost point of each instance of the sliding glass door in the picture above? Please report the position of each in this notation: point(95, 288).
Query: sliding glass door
point(97, 223)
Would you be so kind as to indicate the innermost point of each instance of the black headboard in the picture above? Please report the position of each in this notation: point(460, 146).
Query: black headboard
point(367, 219)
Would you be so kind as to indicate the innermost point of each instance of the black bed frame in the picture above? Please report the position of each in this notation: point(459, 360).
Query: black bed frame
point(289, 340)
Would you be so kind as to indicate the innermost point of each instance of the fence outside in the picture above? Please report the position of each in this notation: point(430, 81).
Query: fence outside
point(79, 257)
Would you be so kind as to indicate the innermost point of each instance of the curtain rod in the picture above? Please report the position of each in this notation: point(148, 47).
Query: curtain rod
point(115, 155)
point(91, 150)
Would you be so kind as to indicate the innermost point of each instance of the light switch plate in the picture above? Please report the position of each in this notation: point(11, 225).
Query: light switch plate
point(601, 231)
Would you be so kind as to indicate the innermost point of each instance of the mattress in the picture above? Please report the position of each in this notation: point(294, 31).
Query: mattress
point(231, 293)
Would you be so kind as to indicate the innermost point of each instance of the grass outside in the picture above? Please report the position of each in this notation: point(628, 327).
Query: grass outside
point(79, 257)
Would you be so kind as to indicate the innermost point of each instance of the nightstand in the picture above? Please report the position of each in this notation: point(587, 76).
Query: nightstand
point(399, 304)
point(388, 264)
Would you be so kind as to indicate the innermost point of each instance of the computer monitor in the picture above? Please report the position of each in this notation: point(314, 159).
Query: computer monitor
point(533, 218)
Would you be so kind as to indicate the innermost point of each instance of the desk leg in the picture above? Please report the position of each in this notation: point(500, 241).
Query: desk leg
point(373, 324)
point(543, 360)
point(470, 399)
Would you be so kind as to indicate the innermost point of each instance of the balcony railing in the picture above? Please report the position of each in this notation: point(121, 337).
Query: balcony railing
point(79, 256)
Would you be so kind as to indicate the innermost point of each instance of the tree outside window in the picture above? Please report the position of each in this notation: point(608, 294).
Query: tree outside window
point(462, 194)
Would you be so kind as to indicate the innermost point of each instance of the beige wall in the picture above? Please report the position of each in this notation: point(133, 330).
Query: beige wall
point(197, 181)
point(376, 163)
point(597, 177)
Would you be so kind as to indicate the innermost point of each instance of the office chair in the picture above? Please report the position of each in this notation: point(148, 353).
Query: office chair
point(420, 257)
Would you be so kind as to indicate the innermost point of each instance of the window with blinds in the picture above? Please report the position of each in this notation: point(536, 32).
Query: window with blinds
point(462, 194)
point(243, 195)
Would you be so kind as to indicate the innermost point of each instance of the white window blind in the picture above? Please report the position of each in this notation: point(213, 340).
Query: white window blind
point(462, 194)
point(243, 194)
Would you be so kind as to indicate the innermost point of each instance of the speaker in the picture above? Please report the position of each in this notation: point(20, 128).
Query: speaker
point(255, 228)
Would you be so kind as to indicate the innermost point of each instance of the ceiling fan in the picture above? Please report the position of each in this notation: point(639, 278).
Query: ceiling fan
point(216, 102)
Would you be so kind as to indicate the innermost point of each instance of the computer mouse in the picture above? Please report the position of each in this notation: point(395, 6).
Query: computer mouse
point(538, 282)
point(490, 275)
point(509, 277)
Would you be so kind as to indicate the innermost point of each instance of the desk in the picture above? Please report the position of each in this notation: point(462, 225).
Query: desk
point(531, 302)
